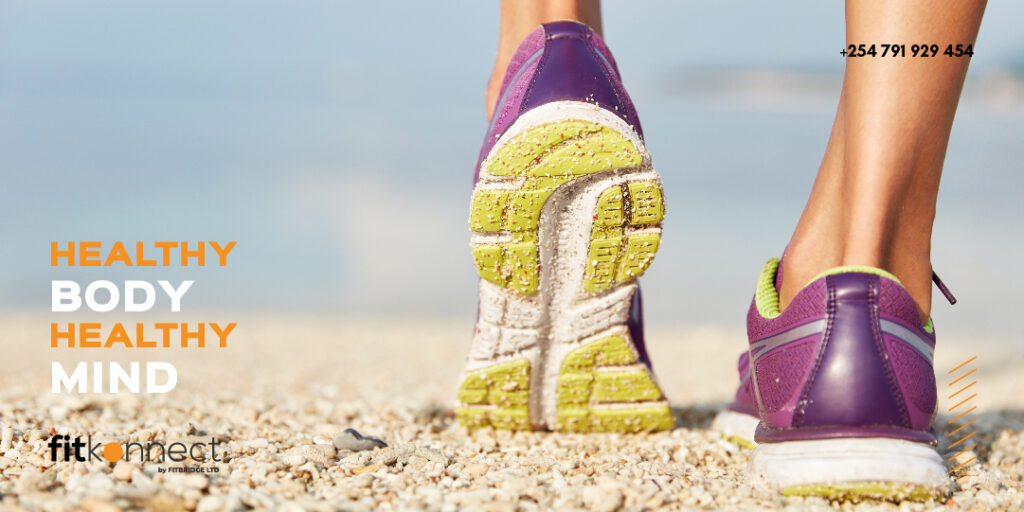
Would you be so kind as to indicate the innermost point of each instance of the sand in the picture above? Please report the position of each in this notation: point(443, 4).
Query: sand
point(279, 395)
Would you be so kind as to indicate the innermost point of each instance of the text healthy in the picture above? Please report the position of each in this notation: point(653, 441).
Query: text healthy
point(133, 296)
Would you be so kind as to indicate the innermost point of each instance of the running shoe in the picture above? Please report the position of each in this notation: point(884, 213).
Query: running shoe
point(844, 388)
point(738, 421)
point(566, 213)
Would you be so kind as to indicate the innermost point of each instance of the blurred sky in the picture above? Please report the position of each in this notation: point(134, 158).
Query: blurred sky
point(335, 141)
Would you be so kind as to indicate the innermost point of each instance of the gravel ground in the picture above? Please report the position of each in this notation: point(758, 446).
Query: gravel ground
point(278, 397)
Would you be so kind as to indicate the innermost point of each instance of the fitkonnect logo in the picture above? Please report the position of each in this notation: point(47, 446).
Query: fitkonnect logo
point(65, 448)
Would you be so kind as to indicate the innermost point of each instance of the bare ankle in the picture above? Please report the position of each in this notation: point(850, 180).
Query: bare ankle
point(801, 266)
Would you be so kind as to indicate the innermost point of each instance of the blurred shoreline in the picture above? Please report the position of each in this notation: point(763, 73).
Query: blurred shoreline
point(996, 91)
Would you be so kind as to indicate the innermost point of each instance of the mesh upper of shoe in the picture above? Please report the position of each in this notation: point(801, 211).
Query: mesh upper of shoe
point(781, 373)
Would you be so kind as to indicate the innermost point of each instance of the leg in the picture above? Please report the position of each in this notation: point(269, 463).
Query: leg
point(873, 201)
point(849, 412)
point(520, 17)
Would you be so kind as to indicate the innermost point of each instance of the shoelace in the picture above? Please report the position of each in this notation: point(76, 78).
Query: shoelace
point(942, 288)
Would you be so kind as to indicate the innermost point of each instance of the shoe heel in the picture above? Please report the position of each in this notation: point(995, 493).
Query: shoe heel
point(860, 377)
point(497, 396)
point(878, 468)
point(603, 387)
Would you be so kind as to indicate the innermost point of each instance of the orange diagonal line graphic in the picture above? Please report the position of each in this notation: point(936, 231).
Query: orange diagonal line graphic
point(968, 461)
point(962, 377)
point(962, 439)
point(963, 388)
point(962, 401)
point(961, 427)
point(962, 364)
point(962, 451)
point(968, 411)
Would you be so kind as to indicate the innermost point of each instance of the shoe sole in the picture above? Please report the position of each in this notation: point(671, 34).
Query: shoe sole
point(567, 213)
point(736, 427)
point(851, 469)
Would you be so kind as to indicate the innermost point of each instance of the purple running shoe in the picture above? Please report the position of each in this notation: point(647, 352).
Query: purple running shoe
point(738, 421)
point(566, 214)
point(844, 388)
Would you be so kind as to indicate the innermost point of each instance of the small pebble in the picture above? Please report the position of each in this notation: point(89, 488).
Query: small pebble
point(352, 440)
point(258, 444)
point(293, 458)
point(476, 469)
point(123, 471)
point(196, 481)
point(98, 505)
point(604, 497)
point(319, 453)
point(366, 469)
point(194, 429)
point(6, 436)
point(416, 463)
point(165, 502)
point(210, 504)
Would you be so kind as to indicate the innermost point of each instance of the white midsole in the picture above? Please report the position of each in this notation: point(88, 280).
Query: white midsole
point(557, 312)
point(842, 461)
point(735, 424)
